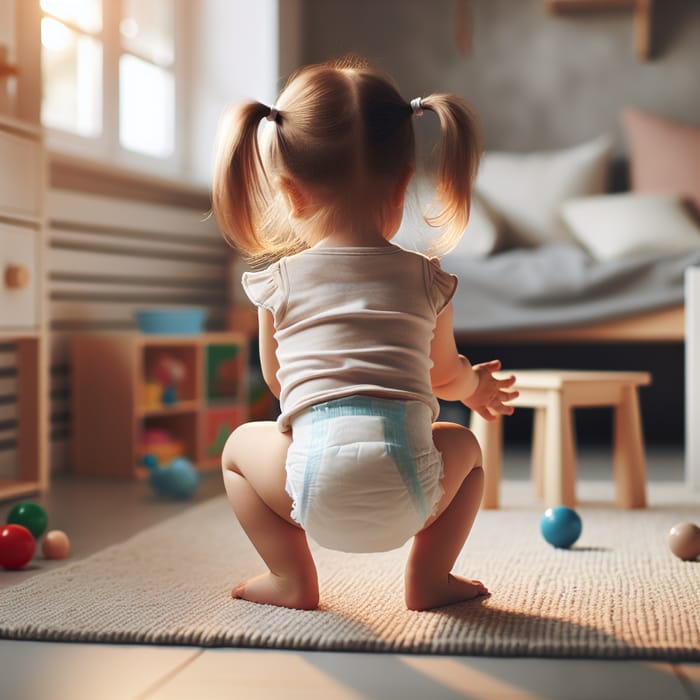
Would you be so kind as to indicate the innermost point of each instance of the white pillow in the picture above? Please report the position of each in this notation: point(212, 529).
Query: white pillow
point(618, 226)
point(481, 237)
point(527, 189)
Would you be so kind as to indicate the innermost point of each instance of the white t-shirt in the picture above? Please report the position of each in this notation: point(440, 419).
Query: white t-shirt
point(352, 320)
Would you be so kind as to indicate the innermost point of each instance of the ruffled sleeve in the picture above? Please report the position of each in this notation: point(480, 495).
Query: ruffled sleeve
point(440, 285)
point(267, 289)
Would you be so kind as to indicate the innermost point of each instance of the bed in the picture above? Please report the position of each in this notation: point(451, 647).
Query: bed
point(557, 270)
point(557, 294)
point(563, 246)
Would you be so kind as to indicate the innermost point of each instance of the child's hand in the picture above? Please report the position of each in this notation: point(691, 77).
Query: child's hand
point(489, 399)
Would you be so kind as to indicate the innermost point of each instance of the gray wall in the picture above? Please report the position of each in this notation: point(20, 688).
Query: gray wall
point(538, 81)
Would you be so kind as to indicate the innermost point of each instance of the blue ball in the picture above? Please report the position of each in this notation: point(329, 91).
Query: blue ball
point(183, 478)
point(561, 526)
point(178, 480)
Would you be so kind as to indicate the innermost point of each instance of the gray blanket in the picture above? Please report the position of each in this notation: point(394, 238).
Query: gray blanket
point(558, 285)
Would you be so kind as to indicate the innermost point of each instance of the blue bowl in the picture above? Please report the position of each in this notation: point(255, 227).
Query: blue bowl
point(175, 321)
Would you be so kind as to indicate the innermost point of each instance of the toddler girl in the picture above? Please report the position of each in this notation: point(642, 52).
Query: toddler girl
point(356, 335)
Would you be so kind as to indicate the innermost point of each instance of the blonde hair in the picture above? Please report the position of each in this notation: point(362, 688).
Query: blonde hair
point(343, 132)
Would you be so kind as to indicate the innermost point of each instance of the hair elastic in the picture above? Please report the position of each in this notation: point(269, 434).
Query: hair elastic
point(274, 113)
point(417, 106)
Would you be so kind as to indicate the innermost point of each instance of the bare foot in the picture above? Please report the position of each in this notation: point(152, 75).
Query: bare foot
point(274, 590)
point(435, 594)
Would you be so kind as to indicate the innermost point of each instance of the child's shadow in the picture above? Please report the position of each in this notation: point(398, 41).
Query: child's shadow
point(453, 651)
point(479, 627)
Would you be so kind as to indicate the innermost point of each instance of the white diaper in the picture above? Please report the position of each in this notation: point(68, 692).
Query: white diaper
point(363, 472)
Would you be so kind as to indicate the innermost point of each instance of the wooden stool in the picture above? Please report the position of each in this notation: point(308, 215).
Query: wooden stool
point(554, 394)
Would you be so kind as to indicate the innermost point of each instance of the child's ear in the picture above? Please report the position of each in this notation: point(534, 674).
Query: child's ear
point(297, 199)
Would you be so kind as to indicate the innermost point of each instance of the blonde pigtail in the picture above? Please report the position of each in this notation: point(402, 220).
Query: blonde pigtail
point(240, 187)
point(458, 160)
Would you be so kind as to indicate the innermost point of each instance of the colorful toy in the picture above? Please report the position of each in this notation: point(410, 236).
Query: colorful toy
point(152, 393)
point(217, 425)
point(30, 515)
point(561, 526)
point(684, 541)
point(169, 397)
point(223, 371)
point(17, 546)
point(161, 444)
point(55, 545)
point(179, 479)
point(169, 372)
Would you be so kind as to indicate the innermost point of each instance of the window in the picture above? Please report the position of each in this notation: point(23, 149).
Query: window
point(109, 78)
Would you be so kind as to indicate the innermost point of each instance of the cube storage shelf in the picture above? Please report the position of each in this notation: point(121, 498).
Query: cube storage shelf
point(31, 473)
point(24, 406)
point(170, 396)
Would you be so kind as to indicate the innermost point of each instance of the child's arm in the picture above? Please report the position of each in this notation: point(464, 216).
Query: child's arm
point(268, 350)
point(455, 379)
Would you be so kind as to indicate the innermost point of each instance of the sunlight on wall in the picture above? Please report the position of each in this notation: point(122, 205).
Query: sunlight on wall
point(235, 57)
point(72, 80)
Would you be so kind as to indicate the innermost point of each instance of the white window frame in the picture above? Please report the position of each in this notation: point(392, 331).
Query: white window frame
point(106, 149)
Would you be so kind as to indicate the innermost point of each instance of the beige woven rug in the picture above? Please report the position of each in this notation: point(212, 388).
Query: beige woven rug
point(619, 594)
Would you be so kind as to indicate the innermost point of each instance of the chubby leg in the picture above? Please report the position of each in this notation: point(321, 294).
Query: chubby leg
point(429, 581)
point(254, 475)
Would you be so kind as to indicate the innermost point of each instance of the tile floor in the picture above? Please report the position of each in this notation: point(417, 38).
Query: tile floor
point(97, 514)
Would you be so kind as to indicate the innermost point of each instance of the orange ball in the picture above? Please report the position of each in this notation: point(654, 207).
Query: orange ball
point(55, 545)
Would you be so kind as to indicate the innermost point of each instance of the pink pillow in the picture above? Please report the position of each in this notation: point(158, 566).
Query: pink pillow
point(664, 155)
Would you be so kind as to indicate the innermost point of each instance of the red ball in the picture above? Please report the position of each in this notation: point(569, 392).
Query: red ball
point(16, 546)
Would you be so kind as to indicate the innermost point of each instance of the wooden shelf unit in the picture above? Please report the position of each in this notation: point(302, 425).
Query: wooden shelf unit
point(114, 412)
point(22, 306)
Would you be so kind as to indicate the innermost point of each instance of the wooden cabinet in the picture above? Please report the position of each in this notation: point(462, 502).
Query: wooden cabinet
point(24, 405)
point(170, 396)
